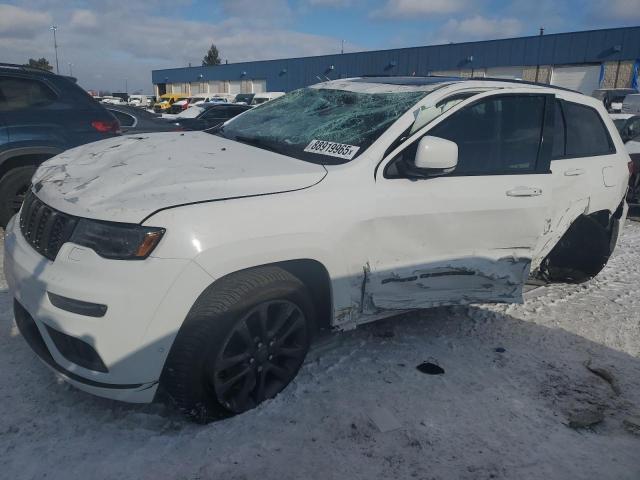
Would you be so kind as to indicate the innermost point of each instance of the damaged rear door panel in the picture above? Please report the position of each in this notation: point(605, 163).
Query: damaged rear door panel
point(468, 236)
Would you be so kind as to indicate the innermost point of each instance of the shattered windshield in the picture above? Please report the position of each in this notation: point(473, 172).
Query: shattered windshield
point(321, 125)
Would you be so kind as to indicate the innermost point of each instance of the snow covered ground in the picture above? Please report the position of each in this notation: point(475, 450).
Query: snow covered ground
point(491, 415)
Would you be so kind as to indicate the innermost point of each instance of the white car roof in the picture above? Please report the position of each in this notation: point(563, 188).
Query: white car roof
point(427, 84)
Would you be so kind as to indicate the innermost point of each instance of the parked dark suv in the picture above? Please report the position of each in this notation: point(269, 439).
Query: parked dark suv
point(41, 115)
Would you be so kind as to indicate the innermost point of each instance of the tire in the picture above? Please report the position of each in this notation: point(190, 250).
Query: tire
point(224, 361)
point(13, 186)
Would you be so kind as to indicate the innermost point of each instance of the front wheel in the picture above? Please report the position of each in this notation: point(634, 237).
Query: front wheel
point(243, 342)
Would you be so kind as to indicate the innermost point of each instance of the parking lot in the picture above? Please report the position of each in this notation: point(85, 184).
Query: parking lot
point(500, 414)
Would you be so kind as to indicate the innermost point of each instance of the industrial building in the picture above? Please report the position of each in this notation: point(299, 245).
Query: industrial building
point(581, 61)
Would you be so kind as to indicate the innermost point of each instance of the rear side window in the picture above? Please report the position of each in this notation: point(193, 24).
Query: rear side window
point(497, 135)
point(21, 93)
point(586, 134)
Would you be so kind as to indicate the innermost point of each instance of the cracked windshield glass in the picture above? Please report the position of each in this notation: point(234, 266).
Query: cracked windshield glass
point(321, 125)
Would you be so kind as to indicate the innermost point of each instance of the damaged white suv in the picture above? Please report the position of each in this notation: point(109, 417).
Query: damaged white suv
point(204, 263)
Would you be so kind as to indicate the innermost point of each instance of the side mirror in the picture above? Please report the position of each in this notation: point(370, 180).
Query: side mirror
point(436, 156)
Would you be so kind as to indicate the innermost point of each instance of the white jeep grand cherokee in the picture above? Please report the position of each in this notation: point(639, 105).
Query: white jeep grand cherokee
point(204, 263)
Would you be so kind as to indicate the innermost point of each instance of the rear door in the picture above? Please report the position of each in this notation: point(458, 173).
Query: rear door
point(31, 110)
point(467, 236)
point(584, 167)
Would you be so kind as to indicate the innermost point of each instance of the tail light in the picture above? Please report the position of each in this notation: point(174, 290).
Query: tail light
point(106, 126)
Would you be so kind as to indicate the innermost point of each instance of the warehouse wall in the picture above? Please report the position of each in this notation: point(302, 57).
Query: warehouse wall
point(599, 46)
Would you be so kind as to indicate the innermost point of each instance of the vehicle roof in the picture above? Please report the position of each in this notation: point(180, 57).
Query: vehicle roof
point(33, 71)
point(12, 67)
point(391, 84)
point(407, 80)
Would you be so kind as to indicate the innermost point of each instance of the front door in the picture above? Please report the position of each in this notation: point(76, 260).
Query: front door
point(467, 236)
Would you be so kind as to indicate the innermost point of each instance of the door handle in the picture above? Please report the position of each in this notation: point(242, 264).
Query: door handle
point(524, 192)
point(572, 172)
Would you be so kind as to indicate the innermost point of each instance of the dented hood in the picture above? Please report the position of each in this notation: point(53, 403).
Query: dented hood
point(126, 179)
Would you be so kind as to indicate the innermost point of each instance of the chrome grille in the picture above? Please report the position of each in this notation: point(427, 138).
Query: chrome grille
point(45, 228)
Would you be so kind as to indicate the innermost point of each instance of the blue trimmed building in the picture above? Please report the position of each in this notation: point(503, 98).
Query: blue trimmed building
point(579, 60)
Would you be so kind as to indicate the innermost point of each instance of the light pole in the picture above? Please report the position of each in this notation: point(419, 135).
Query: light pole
point(71, 69)
point(55, 46)
point(126, 86)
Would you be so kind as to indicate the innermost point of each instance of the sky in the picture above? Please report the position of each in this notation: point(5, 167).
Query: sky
point(108, 44)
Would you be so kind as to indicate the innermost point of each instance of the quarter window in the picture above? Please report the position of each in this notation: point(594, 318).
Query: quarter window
point(496, 135)
point(20, 93)
point(586, 134)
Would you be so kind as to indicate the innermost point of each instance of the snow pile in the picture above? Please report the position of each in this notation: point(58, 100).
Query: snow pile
point(514, 378)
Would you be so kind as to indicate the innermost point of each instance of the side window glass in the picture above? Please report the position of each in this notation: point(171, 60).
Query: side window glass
point(213, 113)
point(232, 112)
point(21, 93)
point(496, 135)
point(586, 134)
point(559, 134)
point(427, 114)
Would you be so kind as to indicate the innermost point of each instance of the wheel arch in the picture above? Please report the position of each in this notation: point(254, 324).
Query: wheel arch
point(585, 247)
point(312, 273)
point(18, 157)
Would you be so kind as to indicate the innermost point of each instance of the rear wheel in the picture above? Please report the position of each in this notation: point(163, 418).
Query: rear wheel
point(243, 342)
point(13, 187)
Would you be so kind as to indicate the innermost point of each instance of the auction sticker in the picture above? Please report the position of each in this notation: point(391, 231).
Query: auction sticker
point(332, 149)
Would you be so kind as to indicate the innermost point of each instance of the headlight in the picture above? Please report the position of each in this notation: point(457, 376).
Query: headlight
point(121, 241)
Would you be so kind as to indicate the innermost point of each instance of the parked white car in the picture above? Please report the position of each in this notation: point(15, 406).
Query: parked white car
point(200, 99)
point(113, 100)
point(192, 112)
point(139, 101)
point(208, 263)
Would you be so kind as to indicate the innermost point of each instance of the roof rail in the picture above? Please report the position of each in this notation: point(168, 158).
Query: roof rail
point(491, 79)
point(25, 68)
point(524, 82)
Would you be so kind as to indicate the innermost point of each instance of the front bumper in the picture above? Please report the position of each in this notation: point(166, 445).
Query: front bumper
point(30, 331)
point(146, 303)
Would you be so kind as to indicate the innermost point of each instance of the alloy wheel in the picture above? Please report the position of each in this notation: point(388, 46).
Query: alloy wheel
point(261, 355)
